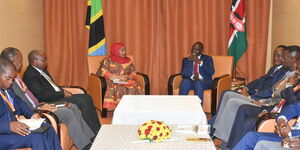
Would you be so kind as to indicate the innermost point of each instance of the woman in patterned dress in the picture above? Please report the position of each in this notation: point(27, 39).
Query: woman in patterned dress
point(119, 73)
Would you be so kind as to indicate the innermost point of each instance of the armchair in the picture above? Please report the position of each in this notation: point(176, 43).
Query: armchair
point(97, 85)
point(60, 129)
point(266, 123)
point(221, 81)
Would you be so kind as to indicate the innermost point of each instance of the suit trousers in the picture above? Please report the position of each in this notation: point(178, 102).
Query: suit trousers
point(77, 127)
point(249, 141)
point(269, 145)
point(212, 121)
point(88, 110)
point(36, 141)
point(198, 87)
point(230, 103)
point(244, 122)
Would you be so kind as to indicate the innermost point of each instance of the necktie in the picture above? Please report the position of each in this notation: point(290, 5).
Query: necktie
point(30, 96)
point(196, 66)
point(275, 70)
point(56, 88)
point(281, 83)
point(277, 108)
point(13, 116)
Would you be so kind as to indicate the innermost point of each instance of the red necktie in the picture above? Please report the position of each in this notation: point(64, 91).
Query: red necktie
point(27, 92)
point(196, 68)
point(278, 107)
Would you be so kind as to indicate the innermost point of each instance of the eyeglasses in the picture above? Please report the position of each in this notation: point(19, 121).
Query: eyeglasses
point(196, 48)
point(41, 59)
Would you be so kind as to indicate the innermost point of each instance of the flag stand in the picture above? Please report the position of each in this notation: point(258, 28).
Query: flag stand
point(237, 82)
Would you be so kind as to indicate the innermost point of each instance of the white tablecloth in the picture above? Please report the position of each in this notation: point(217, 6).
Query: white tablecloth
point(124, 137)
point(137, 109)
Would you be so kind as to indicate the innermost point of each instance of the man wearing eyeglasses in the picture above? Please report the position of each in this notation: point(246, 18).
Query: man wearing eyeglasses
point(41, 84)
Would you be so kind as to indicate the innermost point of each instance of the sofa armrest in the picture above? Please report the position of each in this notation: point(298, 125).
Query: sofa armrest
point(266, 122)
point(51, 118)
point(74, 89)
point(219, 84)
point(97, 89)
point(174, 82)
point(143, 80)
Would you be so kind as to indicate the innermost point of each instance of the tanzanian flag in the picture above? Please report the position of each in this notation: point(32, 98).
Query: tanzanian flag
point(95, 23)
point(237, 44)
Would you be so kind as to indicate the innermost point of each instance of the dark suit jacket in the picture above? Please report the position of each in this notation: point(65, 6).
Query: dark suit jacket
point(290, 96)
point(261, 88)
point(206, 70)
point(39, 85)
point(20, 107)
point(19, 92)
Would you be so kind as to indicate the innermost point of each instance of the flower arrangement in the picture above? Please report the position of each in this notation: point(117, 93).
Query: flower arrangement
point(154, 131)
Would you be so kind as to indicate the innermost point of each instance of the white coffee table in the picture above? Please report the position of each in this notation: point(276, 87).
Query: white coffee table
point(124, 137)
point(137, 109)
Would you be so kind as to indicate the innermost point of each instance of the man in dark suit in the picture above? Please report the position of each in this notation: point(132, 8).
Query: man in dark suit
point(79, 131)
point(196, 71)
point(41, 84)
point(14, 134)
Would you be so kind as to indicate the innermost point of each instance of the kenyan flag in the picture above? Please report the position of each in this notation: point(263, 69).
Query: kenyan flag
point(237, 44)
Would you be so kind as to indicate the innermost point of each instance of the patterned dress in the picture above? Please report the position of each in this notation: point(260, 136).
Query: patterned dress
point(115, 91)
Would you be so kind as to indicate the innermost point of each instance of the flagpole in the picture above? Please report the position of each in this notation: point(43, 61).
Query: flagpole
point(237, 43)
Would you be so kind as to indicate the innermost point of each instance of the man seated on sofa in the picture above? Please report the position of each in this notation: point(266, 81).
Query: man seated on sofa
point(41, 84)
point(283, 130)
point(79, 131)
point(14, 134)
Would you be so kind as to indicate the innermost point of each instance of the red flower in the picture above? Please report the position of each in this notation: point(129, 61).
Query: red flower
point(147, 132)
point(149, 127)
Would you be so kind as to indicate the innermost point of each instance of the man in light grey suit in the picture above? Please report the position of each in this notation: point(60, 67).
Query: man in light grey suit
point(79, 131)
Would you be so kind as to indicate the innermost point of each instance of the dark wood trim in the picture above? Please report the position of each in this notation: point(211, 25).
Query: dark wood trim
point(214, 90)
point(265, 117)
point(147, 83)
point(42, 112)
point(170, 83)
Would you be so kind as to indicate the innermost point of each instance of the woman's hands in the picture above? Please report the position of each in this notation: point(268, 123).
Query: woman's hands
point(119, 77)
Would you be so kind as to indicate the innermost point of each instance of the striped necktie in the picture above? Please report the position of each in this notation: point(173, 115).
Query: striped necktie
point(196, 66)
point(29, 95)
point(277, 108)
